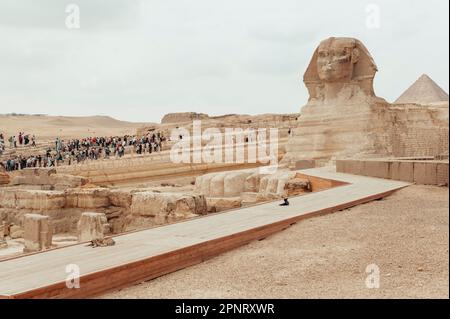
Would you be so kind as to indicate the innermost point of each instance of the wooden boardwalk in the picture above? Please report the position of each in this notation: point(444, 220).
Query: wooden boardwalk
point(150, 253)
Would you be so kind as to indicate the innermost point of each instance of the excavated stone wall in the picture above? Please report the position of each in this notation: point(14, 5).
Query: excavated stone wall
point(125, 210)
point(46, 179)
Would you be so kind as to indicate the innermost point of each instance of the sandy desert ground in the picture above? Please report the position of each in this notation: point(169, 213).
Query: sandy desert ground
point(406, 235)
point(50, 127)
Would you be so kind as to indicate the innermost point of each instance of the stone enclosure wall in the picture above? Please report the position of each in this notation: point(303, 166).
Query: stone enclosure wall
point(45, 179)
point(428, 172)
point(419, 130)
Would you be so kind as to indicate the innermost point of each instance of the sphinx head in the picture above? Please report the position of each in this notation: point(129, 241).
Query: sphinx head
point(336, 59)
point(337, 62)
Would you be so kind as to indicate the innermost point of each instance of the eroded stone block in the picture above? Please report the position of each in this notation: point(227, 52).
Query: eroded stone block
point(217, 186)
point(91, 226)
point(297, 186)
point(37, 232)
point(216, 204)
point(88, 198)
point(234, 183)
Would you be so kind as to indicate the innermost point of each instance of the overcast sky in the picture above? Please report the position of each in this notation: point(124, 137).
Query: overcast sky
point(137, 60)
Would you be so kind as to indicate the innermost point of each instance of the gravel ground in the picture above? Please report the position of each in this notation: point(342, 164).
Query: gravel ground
point(406, 235)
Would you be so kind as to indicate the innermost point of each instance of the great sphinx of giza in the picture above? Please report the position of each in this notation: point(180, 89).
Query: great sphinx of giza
point(343, 116)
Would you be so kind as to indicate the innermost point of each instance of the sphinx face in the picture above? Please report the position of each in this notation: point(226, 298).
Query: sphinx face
point(335, 60)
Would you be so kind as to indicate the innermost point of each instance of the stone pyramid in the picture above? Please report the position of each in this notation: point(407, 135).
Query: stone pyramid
point(423, 91)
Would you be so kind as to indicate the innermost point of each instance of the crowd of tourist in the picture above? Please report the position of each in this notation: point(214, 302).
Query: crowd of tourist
point(21, 140)
point(79, 150)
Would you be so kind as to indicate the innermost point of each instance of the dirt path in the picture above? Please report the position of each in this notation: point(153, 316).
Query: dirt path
point(406, 235)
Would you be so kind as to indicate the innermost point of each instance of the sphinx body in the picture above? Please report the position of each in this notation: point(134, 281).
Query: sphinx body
point(343, 116)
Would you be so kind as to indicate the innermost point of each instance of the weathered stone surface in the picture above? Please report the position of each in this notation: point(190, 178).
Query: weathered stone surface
point(47, 177)
point(273, 186)
point(252, 182)
point(37, 232)
point(39, 200)
point(63, 181)
point(16, 232)
point(201, 207)
point(216, 204)
point(33, 176)
point(217, 185)
point(7, 198)
point(91, 226)
point(297, 186)
point(205, 184)
point(202, 183)
point(88, 198)
point(120, 198)
point(151, 208)
point(149, 204)
point(234, 183)
point(249, 198)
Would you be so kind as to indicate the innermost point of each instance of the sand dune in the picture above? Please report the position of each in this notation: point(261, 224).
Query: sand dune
point(49, 127)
